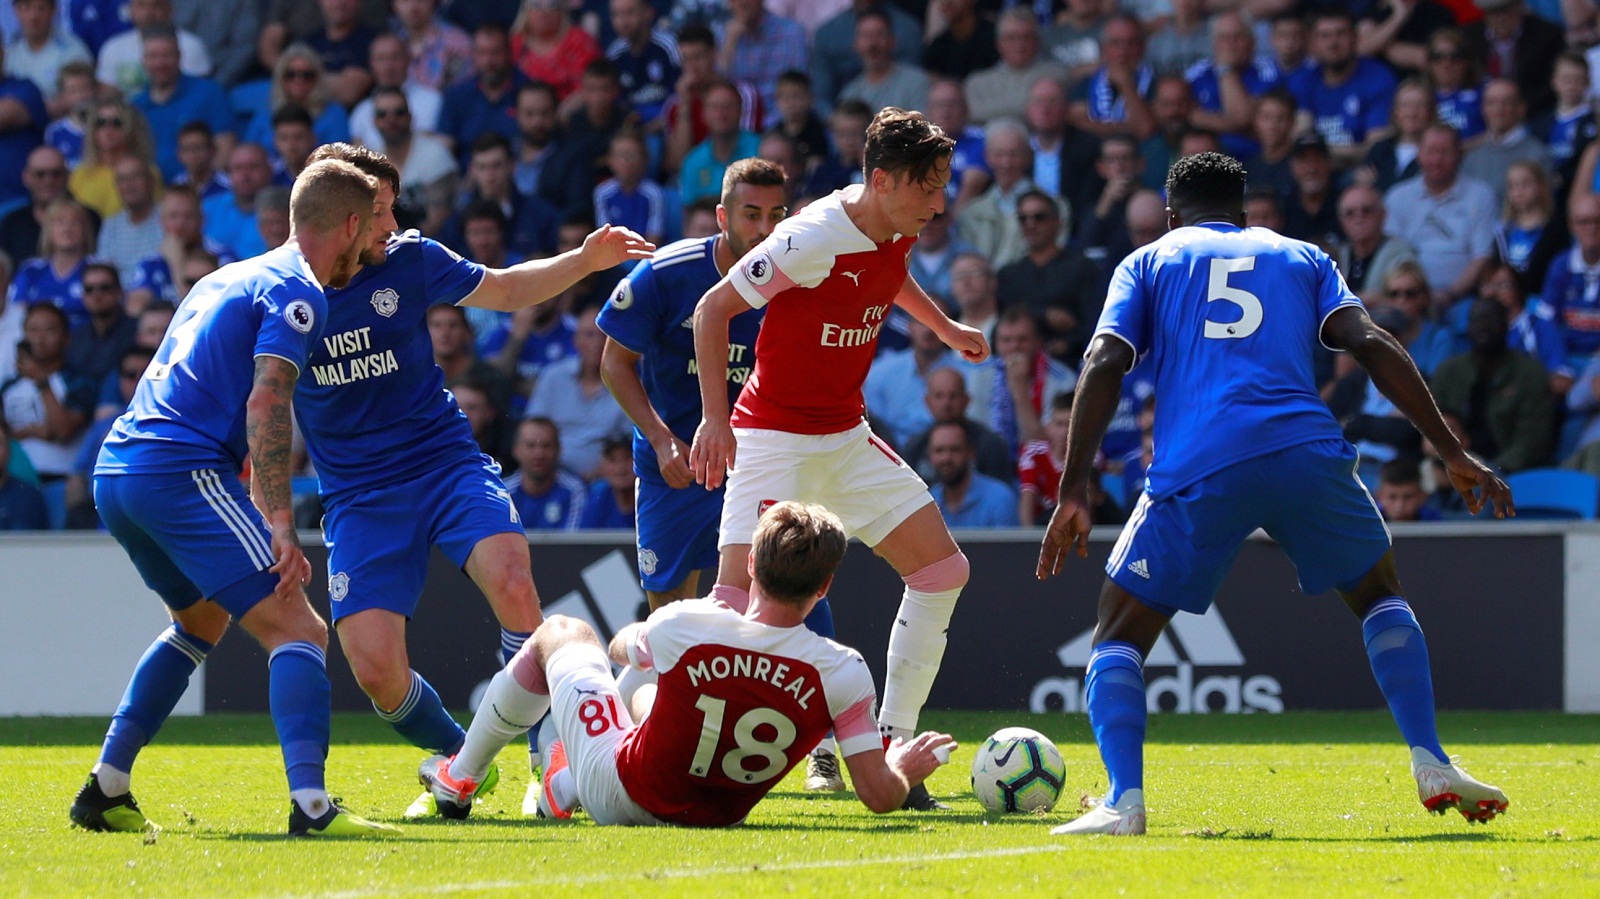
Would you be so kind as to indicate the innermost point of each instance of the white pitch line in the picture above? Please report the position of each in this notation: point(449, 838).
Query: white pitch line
point(680, 874)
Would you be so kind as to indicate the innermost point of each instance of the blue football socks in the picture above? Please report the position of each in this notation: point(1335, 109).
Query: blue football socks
point(422, 720)
point(157, 684)
point(1399, 657)
point(301, 701)
point(820, 621)
point(1117, 713)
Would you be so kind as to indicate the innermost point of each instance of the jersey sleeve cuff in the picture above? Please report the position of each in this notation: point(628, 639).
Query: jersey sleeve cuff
point(747, 291)
point(293, 364)
point(1324, 323)
point(483, 275)
point(1110, 333)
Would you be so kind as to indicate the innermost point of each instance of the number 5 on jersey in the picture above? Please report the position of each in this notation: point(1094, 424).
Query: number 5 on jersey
point(1249, 304)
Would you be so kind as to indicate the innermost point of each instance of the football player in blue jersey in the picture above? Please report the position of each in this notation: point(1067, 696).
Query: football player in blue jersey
point(400, 470)
point(1250, 445)
point(167, 486)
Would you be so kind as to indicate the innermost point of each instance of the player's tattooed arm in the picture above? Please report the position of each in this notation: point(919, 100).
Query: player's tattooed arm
point(269, 430)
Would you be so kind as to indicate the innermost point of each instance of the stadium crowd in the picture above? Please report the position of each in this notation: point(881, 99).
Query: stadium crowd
point(1441, 150)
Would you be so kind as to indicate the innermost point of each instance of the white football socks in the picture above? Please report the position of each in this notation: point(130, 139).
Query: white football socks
point(507, 711)
point(917, 641)
point(113, 782)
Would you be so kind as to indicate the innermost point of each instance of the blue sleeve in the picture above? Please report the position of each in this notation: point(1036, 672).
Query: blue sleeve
point(1127, 310)
point(450, 278)
point(1381, 96)
point(218, 113)
point(450, 110)
point(1332, 292)
point(633, 314)
point(1299, 85)
point(1555, 286)
point(291, 319)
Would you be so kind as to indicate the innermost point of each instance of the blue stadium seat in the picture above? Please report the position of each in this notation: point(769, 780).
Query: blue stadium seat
point(1555, 493)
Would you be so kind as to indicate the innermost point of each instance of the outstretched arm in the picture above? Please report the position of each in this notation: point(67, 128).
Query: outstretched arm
point(269, 431)
point(1099, 388)
point(1396, 377)
point(537, 280)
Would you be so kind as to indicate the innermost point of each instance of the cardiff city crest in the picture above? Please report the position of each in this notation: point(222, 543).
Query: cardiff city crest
point(386, 301)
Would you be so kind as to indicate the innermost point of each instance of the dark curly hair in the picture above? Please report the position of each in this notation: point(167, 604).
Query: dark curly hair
point(905, 143)
point(1211, 182)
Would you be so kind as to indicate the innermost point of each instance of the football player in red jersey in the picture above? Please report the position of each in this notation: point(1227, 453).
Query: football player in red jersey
point(828, 278)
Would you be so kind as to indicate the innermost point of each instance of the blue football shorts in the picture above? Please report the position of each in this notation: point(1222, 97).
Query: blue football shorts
point(677, 531)
point(378, 540)
point(1174, 552)
point(191, 535)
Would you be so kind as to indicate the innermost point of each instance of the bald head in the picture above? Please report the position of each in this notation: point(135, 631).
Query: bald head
point(947, 395)
point(1146, 217)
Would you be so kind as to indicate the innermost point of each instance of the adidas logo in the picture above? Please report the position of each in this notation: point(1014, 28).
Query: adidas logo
point(1190, 641)
point(1141, 569)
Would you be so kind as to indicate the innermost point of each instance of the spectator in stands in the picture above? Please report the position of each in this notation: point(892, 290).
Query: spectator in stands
point(1506, 138)
point(1518, 46)
point(934, 255)
point(489, 424)
point(834, 59)
point(530, 340)
point(1272, 133)
point(75, 92)
point(229, 29)
point(94, 346)
point(1039, 465)
point(1502, 397)
point(1289, 38)
point(197, 152)
point(778, 149)
point(547, 165)
point(700, 218)
point(1583, 405)
point(798, 121)
point(1103, 226)
point(967, 498)
point(598, 112)
point(759, 45)
point(55, 277)
point(1428, 340)
point(272, 218)
point(1529, 236)
point(490, 100)
point(441, 53)
point(1572, 287)
point(1532, 328)
point(884, 81)
point(120, 61)
point(530, 220)
point(1367, 255)
point(1063, 156)
point(484, 233)
point(965, 45)
point(547, 497)
point(1394, 158)
point(947, 401)
point(230, 218)
point(293, 139)
point(389, 60)
point(1014, 388)
point(628, 199)
point(545, 46)
point(1001, 91)
point(646, 58)
point(299, 79)
point(609, 505)
point(1343, 97)
point(1226, 84)
point(45, 177)
point(1073, 41)
point(42, 47)
point(455, 354)
point(48, 404)
point(989, 223)
point(342, 46)
point(1400, 494)
point(685, 115)
point(1570, 126)
point(847, 140)
point(1397, 33)
point(1371, 421)
point(172, 100)
point(21, 504)
point(1171, 105)
point(180, 220)
point(897, 384)
point(1053, 280)
point(1457, 83)
point(1312, 210)
point(119, 133)
point(153, 324)
point(427, 168)
point(1146, 221)
point(726, 143)
point(1262, 209)
point(120, 383)
point(1115, 99)
point(11, 314)
point(1448, 218)
point(135, 232)
point(973, 287)
point(1182, 41)
point(969, 176)
point(291, 21)
point(572, 394)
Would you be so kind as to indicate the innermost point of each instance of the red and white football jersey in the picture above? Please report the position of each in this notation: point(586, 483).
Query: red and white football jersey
point(1040, 472)
point(738, 705)
point(828, 289)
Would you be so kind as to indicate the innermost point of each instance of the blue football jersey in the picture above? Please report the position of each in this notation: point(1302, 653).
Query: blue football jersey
point(188, 411)
point(371, 401)
point(1227, 321)
point(651, 313)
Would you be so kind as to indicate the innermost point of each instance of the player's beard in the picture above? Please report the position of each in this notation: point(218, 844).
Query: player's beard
point(346, 267)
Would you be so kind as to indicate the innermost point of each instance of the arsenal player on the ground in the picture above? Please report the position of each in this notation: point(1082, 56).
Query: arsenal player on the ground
point(827, 278)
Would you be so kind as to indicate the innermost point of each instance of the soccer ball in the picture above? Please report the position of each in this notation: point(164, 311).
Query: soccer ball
point(1018, 770)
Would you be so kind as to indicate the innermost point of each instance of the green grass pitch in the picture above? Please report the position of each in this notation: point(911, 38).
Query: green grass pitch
point(1263, 805)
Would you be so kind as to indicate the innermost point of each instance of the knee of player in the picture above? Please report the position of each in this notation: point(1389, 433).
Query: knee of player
point(204, 620)
point(949, 573)
point(558, 631)
point(383, 674)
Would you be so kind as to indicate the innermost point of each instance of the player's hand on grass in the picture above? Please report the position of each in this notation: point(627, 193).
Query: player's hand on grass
point(672, 457)
point(1069, 529)
point(1480, 486)
point(607, 246)
point(292, 565)
point(920, 757)
point(712, 453)
point(966, 340)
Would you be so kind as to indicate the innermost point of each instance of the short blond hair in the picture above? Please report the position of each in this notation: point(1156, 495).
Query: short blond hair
point(796, 548)
point(326, 193)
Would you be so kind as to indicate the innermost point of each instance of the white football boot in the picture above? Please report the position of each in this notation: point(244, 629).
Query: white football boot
point(1125, 819)
point(1443, 786)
